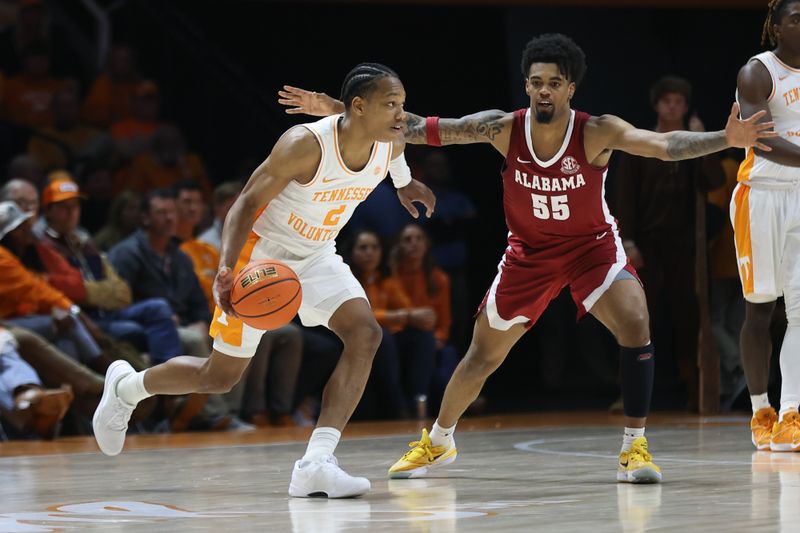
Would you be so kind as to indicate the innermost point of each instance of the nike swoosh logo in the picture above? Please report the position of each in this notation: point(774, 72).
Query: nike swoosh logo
point(523, 162)
point(781, 78)
point(598, 237)
point(329, 180)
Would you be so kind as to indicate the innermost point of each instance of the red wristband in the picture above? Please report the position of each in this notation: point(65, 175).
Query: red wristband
point(432, 131)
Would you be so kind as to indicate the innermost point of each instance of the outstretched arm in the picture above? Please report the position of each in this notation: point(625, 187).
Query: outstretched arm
point(616, 134)
point(493, 126)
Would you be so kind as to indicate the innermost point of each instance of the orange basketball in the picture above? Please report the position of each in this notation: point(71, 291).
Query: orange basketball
point(266, 294)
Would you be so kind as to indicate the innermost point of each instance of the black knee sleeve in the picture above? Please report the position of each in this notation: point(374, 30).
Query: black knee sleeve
point(638, 369)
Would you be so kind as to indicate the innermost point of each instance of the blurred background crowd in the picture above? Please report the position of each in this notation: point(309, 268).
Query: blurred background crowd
point(127, 130)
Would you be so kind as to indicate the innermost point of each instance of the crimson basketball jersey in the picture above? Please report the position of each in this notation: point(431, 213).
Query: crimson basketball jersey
point(549, 201)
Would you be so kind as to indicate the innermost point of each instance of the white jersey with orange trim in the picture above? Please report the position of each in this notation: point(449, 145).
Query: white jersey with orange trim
point(305, 219)
point(784, 105)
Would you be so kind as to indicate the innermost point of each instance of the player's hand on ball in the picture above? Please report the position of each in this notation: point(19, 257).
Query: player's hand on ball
point(222, 290)
point(307, 102)
point(746, 133)
point(416, 191)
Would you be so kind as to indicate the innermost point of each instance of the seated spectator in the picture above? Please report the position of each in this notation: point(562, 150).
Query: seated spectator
point(280, 350)
point(224, 196)
point(109, 98)
point(23, 193)
point(428, 286)
point(166, 163)
point(147, 324)
point(55, 368)
point(205, 258)
point(133, 134)
point(27, 98)
point(27, 300)
point(154, 267)
point(394, 313)
point(24, 401)
point(67, 141)
point(124, 217)
point(449, 228)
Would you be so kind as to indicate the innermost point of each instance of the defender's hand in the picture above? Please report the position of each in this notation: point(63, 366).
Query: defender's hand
point(308, 102)
point(416, 191)
point(745, 133)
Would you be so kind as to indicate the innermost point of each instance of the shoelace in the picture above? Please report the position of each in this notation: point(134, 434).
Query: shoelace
point(426, 448)
point(119, 420)
point(640, 453)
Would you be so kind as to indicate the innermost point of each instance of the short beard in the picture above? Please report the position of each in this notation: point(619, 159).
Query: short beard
point(544, 117)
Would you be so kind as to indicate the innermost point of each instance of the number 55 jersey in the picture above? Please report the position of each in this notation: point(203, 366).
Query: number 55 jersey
point(561, 232)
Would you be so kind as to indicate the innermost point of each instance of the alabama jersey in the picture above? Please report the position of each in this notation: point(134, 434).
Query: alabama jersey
point(561, 233)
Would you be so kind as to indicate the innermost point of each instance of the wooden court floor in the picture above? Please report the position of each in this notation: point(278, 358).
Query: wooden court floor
point(542, 472)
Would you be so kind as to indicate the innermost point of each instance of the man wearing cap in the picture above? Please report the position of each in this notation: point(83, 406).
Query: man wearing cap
point(147, 324)
point(29, 301)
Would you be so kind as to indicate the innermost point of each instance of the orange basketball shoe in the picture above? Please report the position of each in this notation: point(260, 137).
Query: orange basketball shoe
point(786, 434)
point(761, 427)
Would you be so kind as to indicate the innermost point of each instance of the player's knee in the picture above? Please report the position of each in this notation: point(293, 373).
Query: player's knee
point(634, 328)
point(217, 382)
point(367, 337)
point(482, 362)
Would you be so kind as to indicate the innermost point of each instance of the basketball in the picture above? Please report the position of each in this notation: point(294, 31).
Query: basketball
point(266, 294)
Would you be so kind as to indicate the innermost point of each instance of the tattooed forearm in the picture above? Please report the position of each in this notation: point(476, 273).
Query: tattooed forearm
point(415, 129)
point(482, 127)
point(689, 144)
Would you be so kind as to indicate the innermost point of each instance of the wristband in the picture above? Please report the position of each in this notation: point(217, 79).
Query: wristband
point(432, 131)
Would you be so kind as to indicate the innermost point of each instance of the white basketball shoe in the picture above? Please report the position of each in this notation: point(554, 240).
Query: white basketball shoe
point(110, 420)
point(325, 478)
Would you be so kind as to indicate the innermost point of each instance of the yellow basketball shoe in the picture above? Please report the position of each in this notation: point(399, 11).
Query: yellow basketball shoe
point(786, 434)
point(636, 465)
point(422, 456)
point(761, 427)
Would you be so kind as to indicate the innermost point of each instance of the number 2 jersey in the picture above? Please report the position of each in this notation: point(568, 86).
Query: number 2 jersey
point(548, 202)
point(306, 218)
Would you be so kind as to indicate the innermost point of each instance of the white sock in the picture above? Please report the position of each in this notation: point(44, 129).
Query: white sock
point(790, 370)
point(322, 443)
point(759, 401)
point(629, 435)
point(442, 436)
point(130, 388)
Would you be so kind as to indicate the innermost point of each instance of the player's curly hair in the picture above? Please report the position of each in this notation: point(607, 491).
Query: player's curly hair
point(555, 48)
point(775, 12)
point(362, 80)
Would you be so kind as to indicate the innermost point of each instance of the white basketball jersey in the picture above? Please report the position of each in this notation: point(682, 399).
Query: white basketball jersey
point(784, 105)
point(305, 219)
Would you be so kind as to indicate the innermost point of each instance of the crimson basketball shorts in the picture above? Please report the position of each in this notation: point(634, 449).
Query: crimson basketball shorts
point(528, 279)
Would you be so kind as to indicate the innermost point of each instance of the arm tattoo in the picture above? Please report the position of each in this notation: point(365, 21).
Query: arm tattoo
point(415, 129)
point(687, 144)
point(485, 126)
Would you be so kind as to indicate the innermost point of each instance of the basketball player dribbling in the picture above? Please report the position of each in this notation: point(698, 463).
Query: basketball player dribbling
point(765, 204)
point(560, 234)
point(314, 178)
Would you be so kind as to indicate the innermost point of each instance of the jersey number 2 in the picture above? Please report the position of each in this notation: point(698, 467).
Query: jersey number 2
point(545, 207)
point(334, 215)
